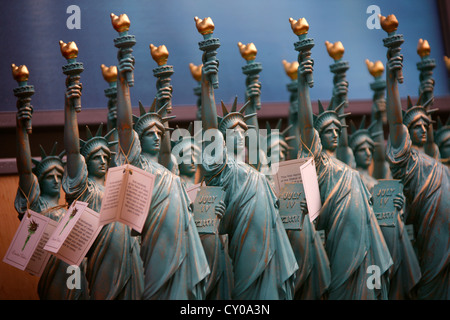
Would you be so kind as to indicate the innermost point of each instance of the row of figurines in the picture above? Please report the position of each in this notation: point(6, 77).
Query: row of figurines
point(251, 256)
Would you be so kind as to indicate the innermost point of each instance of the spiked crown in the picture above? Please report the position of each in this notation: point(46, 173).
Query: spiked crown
point(48, 162)
point(361, 134)
point(328, 116)
point(278, 137)
point(95, 143)
point(416, 112)
point(233, 118)
point(146, 120)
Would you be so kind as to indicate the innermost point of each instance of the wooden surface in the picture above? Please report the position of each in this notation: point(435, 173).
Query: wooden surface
point(14, 283)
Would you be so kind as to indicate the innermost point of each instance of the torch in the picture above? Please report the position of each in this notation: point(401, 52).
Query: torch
point(209, 45)
point(251, 69)
point(72, 69)
point(304, 45)
point(23, 92)
point(339, 67)
point(110, 76)
point(162, 72)
point(196, 72)
point(378, 87)
point(425, 66)
point(394, 40)
point(125, 41)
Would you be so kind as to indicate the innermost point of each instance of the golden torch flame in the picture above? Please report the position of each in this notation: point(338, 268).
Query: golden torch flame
point(299, 26)
point(204, 26)
point(335, 50)
point(375, 68)
point(120, 23)
point(389, 23)
point(248, 51)
point(423, 48)
point(159, 54)
point(68, 50)
point(196, 71)
point(291, 69)
point(20, 73)
point(109, 73)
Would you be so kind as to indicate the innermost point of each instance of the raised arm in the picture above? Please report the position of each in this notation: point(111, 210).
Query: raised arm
point(71, 134)
point(209, 111)
point(124, 111)
point(393, 103)
point(305, 114)
point(24, 165)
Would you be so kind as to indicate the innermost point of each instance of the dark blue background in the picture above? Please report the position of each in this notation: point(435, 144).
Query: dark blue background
point(30, 31)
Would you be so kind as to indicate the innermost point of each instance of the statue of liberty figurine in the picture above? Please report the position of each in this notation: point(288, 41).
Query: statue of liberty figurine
point(264, 264)
point(425, 180)
point(354, 240)
point(313, 276)
point(219, 284)
point(114, 268)
point(405, 272)
point(40, 190)
point(175, 265)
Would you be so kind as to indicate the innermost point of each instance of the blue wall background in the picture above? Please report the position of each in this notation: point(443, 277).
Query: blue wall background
point(30, 31)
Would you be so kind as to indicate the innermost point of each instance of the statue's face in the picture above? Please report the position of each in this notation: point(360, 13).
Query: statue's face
point(363, 155)
point(238, 136)
point(330, 137)
point(151, 140)
point(50, 184)
point(418, 132)
point(98, 163)
point(188, 169)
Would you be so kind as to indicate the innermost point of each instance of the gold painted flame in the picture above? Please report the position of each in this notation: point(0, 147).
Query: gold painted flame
point(20, 73)
point(248, 51)
point(69, 50)
point(109, 73)
point(375, 68)
point(196, 71)
point(389, 23)
point(204, 26)
point(291, 69)
point(159, 54)
point(299, 26)
point(335, 50)
point(423, 48)
point(120, 23)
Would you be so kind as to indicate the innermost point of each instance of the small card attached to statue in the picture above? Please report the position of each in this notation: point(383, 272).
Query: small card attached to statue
point(127, 197)
point(26, 240)
point(302, 170)
point(205, 204)
point(192, 191)
point(383, 201)
point(75, 234)
point(290, 211)
point(40, 257)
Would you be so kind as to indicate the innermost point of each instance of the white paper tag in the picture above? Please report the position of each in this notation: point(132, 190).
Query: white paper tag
point(26, 239)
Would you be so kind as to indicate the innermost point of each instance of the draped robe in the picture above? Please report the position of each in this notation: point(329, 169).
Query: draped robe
point(427, 189)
